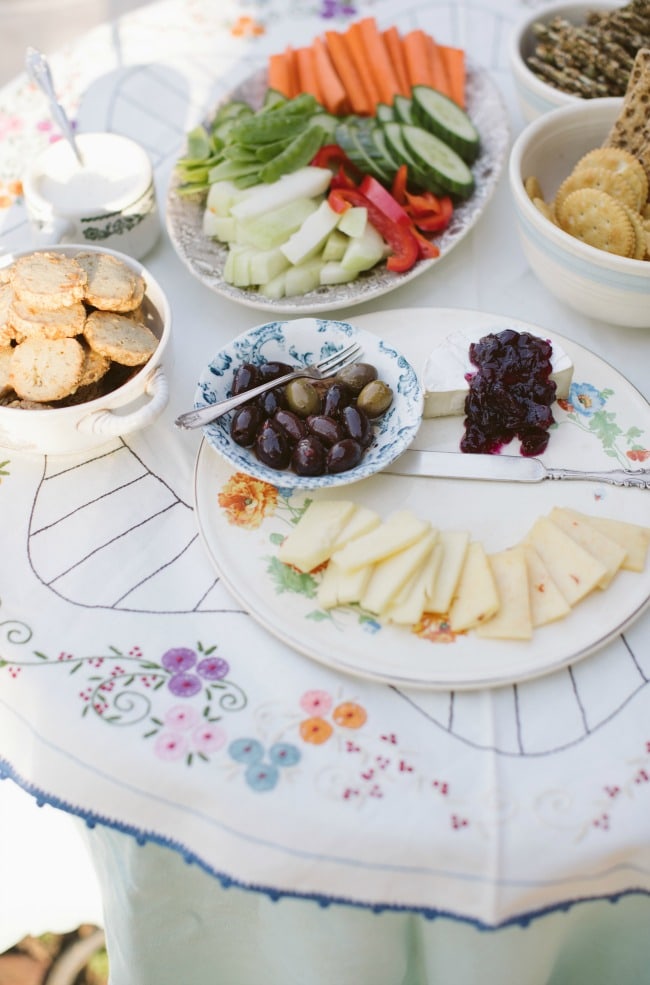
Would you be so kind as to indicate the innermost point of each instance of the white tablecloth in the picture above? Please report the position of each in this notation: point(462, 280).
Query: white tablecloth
point(495, 826)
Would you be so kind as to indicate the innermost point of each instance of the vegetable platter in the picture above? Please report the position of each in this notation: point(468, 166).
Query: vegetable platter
point(225, 212)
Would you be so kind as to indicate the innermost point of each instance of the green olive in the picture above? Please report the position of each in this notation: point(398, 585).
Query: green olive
point(375, 398)
point(302, 397)
point(356, 375)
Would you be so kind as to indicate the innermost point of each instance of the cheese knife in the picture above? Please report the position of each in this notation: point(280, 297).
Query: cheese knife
point(504, 468)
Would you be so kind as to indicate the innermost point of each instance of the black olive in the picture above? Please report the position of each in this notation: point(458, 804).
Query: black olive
point(271, 401)
point(326, 429)
point(272, 447)
point(344, 455)
point(356, 425)
point(245, 378)
point(245, 424)
point(308, 456)
point(272, 370)
point(290, 423)
point(337, 397)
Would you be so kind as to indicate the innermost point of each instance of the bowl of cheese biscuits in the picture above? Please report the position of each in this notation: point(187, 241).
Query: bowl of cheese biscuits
point(579, 178)
point(83, 331)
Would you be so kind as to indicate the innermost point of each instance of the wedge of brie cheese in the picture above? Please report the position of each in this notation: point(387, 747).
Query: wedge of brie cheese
point(443, 377)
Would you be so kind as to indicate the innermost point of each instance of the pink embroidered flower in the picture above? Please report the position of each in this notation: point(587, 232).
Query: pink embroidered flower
point(316, 702)
point(171, 745)
point(208, 738)
point(180, 717)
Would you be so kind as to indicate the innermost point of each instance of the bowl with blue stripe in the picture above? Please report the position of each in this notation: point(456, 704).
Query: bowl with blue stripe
point(599, 284)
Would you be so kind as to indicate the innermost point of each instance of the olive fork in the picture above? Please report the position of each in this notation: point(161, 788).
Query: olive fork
point(316, 371)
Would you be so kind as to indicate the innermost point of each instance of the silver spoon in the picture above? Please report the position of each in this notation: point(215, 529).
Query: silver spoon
point(39, 72)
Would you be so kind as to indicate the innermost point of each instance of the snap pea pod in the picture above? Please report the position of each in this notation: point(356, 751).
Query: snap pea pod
point(298, 153)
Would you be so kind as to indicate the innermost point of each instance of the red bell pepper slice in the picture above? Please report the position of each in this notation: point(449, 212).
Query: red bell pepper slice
point(435, 221)
point(399, 236)
point(427, 249)
point(383, 199)
point(333, 156)
point(398, 189)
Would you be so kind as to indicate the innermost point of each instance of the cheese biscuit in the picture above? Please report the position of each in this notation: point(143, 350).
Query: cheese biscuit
point(119, 338)
point(46, 369)
point(46, 281)
point(111, 284)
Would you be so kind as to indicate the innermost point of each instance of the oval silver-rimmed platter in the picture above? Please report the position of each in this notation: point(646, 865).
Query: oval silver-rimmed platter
point(206, 257)
point(604, 421)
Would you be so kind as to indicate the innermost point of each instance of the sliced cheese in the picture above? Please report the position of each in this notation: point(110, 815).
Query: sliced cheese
point(311, 541)
point(632, 537)
point(453, 544)
point(408, 605)
point(574, 570)
point(513, 619)
point(391, 574)
point(547, 603)
point(444, 374)
point(595, 541)
point(340, 587)
point(398, 532)
point(362, 521)
point(476, 598)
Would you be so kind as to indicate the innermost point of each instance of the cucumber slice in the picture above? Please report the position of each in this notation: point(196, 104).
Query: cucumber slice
point(379, 139)
point(327, 122)
point(437, 159)
point(399, 150)
point(443, 117)
point(384, 113)
point(403, 109)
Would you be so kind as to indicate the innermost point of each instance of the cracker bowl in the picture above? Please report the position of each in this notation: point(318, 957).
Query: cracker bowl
point(611, 288)
point(123, 399)
point(536, 94)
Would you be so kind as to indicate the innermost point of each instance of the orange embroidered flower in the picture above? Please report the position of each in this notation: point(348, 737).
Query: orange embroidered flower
point(315, 730)
point(349, 715)
point(246, 27)
point(247, 501)
point(638, 454)
point(9, 192)
point(434, 628)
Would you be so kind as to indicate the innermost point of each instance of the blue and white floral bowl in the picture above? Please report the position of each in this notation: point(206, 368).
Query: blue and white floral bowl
point(303, 341)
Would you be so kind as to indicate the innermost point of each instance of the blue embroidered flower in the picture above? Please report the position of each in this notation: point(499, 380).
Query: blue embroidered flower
point(284, 754)
point(246, 751)
point(585, 399)
point(262, 778)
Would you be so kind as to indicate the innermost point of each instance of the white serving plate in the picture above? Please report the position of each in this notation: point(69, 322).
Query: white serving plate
point(206, 257)
point(242, 543)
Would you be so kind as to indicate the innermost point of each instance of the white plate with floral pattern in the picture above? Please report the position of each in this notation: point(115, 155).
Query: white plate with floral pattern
point(206, 257)
point(604, 423)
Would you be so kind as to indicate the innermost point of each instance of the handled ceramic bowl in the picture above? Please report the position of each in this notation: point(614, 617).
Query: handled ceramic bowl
point(134, 404)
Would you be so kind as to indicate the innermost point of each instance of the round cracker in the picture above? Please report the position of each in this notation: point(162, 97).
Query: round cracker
point(46, 281)
point(639, 251)
point(533, 188)
point(46, 369)
point(120, 338)
point(597, 219)
point(111, 285)
point(621, 161)
point(94, 367)
point(60, 323)
point(615, 183)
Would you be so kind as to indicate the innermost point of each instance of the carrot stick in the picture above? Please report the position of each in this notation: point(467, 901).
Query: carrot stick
point(355, 46)
point(454, 59)
point(333, 92)
point(437, 68)
point(280, 74)
point(416, 54)
point(379, 63)
point(307, 76)
point(347, 72)
point(395, 50)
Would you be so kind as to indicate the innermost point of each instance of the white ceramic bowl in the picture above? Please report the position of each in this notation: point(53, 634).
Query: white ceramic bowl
point(599, 284)
point(133, 405)
point(301, 341)
point(536, 96)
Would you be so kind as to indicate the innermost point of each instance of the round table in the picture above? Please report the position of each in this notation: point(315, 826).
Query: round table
point(483, 835)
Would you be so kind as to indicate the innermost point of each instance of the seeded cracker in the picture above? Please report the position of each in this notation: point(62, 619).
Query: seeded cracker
point(61, 323)
point(47, 281)
point(599, 220)
point(631, 130)
point(46, 369)
point(112, 285)
point(119, 338)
